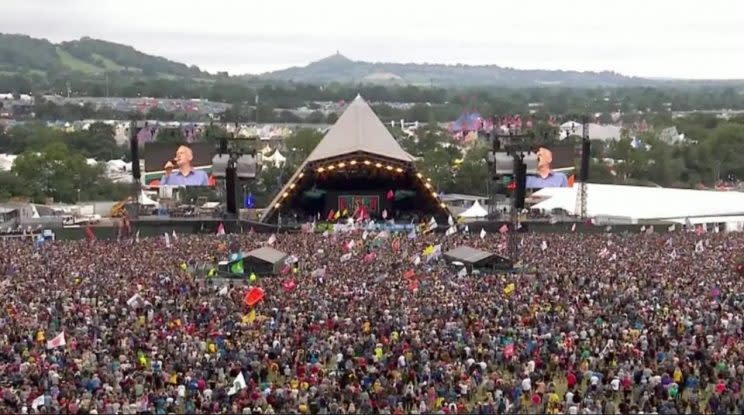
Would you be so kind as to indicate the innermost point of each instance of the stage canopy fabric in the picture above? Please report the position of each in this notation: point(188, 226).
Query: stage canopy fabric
point(474, 211)
point(633, 203)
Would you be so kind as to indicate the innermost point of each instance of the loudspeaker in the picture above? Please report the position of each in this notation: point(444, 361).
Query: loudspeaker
point(520, 176)
point(134, 150)
point(230, 189)
point(247, 166)
point(219, 165)
point(585, 154)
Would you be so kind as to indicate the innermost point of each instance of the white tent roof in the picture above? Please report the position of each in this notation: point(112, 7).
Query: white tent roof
point(474, 211)
point(144, 200)
point(637, 202)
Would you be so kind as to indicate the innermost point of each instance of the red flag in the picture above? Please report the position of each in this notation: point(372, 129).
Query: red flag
point(409, 274)
point(89, 234)
point(503, 229)
point(253, 296)
point(331, 214)
point(390, 195)
point(396, 245)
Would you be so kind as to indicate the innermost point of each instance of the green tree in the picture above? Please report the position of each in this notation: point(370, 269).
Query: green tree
point(56, 172)
point(331, 118)
point(300, 144)
point(315, 117)
point(472, 176)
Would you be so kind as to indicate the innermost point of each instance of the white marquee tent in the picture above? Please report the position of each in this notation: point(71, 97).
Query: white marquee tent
point(474, 211)
point(634, 203)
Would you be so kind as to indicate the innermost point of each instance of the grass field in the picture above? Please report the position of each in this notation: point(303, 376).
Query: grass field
point(76, 64)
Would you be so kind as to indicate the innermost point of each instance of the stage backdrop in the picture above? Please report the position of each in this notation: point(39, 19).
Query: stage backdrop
point(351, 202)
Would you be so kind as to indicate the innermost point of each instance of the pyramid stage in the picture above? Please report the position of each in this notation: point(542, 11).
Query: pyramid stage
point(357, 169)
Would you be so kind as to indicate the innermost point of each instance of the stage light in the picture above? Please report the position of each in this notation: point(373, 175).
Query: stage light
point(443, 206)
point(399, 170)
point(285, 194)
point(320, 170)
point(331, 167)
point(341, 165)
point(353, 162)
point(428, 179)
point(367, 162)
point(419, 175)
point(428, 185)
point(277, 206)
point(389, 167)
point(300, 176)
point(292, 186)
point(378, 165)
point(434, 194)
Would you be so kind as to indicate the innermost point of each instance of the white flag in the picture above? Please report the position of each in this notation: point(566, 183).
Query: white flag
point(608, 228)
point(175, 237)
point(573, 228)
point(351, 244)
point(223, 291)
point(238, 385)
point(544, 245)
point(715, 229)
point(699, 246)
point(643, 228)
point(432, 224)
point(650, 229)
point(384, 214)
point(466, 230)
point(482, 233)
point(417, 260)
point(136, 301)
point(345, 257)
point(450, 221)
point(272, 239)
point(57, 341)
point(136, 236)
point(451, 231)
point(671, 228)
point(39, 401)
point(463, 272)
point(364, 235)
point(167, 240)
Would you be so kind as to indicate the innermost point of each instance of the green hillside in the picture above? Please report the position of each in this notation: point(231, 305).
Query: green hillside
point(24, 54)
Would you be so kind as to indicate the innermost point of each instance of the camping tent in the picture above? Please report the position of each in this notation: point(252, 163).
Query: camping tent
point(474, 211)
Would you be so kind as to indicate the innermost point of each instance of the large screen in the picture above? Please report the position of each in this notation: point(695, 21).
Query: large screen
point(547, 167)
point(186, 164)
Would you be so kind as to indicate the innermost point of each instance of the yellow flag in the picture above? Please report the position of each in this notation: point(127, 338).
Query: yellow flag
point(173, 379)
point(40, 336)
point(212, 348)
point(509, 289)
point(250, 317)
point(337, 215)
point(252, 277)
point(429, 250)
point(184, 266)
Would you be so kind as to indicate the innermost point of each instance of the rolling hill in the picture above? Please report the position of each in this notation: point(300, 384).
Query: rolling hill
point(21, 53)
point(339, 68)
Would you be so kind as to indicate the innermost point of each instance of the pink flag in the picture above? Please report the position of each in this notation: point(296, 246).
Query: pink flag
point(289, 285)
point(221, 229)
point(57, 341)
point(390, 195)
point(509, 351)
point(503, 229)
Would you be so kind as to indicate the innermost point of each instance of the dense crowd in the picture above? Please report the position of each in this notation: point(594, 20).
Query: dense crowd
point(593, 323)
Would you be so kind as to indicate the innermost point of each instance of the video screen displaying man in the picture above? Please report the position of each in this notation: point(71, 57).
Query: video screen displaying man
point(544, 175)
point(180, 170)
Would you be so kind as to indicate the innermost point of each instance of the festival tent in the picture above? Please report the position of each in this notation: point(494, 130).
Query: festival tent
point(474, 211)
point(631, 204)
point(264, 261)
point(475, 258)
point(144, 200)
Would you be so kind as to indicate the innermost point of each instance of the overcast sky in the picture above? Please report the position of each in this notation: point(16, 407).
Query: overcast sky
point(671, 38)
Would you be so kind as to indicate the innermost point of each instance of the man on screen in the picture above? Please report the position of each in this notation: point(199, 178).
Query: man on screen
point(185, 175)
point(545, 176)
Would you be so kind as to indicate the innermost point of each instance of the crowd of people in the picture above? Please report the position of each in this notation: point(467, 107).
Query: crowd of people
point(592, 323)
